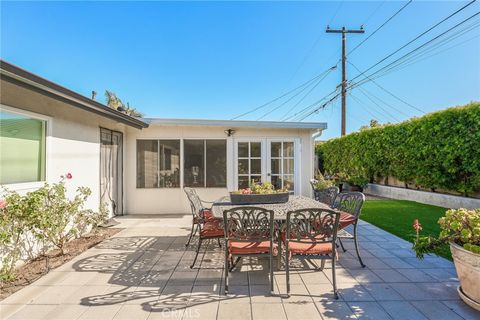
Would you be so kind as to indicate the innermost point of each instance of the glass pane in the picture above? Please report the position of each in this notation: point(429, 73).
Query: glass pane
point(255, 149)
point(288, 149)
point(256, 166)
point(256, 179)
point(243, 166)
point(22, 146)
point(194, 167)
point(288, 166)
point(216, 163)
point(169, 164)
point(277, 182)
point(243, 149)
point(288, 182)
point(147, 163)
point(275, 166)
point(243, 182)
point(276, 149)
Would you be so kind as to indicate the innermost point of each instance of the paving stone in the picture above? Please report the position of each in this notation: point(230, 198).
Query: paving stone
point(382, 292)
point(416, 275)
point(462, 309)
point(268, 311)
point(365, 276)
point(304, 311)
point(368, 310)
point(435, 310)
point(390, 275)
point(411, 292)
point(334, 310)
point(105, 312)
point(354, 293)
point(234, 311)
point(402, 310)
point(397, 263)
point(206, 310)
point(131, 312)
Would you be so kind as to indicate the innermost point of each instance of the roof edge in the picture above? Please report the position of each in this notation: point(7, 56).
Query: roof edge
point(12, 73)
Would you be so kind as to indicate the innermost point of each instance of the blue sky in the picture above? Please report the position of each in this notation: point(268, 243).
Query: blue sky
point(219, 59)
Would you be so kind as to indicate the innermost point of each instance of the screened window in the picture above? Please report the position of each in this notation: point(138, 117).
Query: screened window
point(205, 163)
point(158, 163)
point(22, 148)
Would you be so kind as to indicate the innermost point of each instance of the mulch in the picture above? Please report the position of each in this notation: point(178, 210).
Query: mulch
point(36, 268)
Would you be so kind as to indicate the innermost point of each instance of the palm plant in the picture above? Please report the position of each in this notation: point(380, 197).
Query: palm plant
point(116, 103)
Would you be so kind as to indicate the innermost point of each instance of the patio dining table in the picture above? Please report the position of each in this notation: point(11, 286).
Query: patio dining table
point(280, 209)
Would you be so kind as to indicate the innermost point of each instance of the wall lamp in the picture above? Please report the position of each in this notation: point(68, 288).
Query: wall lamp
point(229, 132)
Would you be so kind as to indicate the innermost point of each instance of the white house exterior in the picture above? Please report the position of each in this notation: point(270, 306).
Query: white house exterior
point(139, 166)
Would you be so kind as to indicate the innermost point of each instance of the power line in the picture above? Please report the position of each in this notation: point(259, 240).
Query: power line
point(374, 102)
point(299, 113)
point(380, 27)
point(336, 11)
point(389, 92)
point(417, 37)
point(407, 54)
point(363, 105)
point(325, 74)
point(374, 11)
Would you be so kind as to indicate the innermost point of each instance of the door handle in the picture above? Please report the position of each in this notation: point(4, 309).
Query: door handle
point(268, 174)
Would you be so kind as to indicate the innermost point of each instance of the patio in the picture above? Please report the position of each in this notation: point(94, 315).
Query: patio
point(143, 273)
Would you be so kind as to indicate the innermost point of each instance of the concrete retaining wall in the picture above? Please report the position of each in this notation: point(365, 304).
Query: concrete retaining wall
point(436, 199)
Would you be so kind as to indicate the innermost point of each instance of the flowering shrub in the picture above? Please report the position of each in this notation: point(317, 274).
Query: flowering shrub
point(47, 215)
point(321, 183)
point(260, 188)
point(460, 226)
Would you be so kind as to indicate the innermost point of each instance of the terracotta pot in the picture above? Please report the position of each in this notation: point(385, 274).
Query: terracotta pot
point(468, 270)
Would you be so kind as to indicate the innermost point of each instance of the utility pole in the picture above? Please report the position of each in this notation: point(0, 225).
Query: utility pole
point(344, 32)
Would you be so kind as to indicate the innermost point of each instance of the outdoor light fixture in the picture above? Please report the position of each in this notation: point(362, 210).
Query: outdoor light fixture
point(229, 132)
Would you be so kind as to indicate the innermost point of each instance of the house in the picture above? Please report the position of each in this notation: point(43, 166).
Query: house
point(139, 166)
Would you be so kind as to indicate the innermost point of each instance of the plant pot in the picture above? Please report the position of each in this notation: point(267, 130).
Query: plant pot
point(467, 265)
point(351, 187)
point(281, 197)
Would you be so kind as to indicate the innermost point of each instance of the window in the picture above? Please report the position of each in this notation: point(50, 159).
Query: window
point(158, 163)
point(22, 148)
point(282, 165)
point(205, 163)
point(249, 163)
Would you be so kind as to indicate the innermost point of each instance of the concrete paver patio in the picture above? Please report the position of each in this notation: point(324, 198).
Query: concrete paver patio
point(143, 273)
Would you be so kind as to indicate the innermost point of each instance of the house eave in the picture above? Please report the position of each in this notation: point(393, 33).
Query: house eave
point(21, 77)
point(238, 123)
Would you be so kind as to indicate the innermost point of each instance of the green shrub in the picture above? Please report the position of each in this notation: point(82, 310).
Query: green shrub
point(440, 150)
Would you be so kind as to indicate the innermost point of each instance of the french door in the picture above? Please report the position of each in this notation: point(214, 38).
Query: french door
point(272, 160)
point(111, 170)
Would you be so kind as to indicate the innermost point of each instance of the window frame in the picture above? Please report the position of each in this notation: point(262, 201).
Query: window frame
point(205, 162)
point(48, 134)
point(180, 153)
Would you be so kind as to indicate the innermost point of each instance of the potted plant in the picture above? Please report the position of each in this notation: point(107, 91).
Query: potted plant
point(356, 183)
point(320, 182)
point(461, 229)
point(258, 193)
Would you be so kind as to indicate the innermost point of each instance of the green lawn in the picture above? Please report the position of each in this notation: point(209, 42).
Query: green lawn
point(396, 217)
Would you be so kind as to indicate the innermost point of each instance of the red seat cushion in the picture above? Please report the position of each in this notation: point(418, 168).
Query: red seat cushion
point(309, 248)
point(346, 219)
point(239, 247)
point(212, 228)
point(207, 214)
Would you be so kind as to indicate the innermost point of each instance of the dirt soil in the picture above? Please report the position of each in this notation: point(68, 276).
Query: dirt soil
point(37, 268)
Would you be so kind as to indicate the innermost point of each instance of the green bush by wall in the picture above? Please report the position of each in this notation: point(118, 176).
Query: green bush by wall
point(440, 150)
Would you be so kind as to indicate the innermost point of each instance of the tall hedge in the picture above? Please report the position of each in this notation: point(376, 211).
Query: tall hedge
point(440, 150)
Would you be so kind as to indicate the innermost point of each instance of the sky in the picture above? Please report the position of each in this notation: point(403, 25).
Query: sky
point(217, 60)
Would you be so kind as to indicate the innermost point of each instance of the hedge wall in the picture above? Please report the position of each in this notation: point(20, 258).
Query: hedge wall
point(440, 150)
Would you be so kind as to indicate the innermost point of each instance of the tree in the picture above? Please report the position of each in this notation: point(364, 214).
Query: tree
point(116, 103)
point(373, 124)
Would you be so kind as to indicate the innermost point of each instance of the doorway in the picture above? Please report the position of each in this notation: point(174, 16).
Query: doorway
point(111, 171)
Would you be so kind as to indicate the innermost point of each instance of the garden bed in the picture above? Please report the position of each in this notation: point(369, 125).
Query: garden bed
point(35, 269)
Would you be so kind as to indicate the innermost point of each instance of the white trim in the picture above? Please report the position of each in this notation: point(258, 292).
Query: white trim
point(237, 123)
point(48, 146)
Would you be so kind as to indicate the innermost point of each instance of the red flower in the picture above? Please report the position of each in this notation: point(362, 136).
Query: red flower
point(247, 191)
point(417, 226)
point(3, 204)
point(69, 176)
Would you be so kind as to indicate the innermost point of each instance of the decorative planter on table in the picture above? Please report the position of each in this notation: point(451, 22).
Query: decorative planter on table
point(238, 198)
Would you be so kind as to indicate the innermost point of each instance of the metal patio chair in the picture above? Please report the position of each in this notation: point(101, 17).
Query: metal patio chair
point(327, 195)
point(350, 206)
point(311, 232)
point(249, 231)
point(203, 221)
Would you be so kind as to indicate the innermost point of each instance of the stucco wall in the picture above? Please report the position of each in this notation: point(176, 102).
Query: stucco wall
point(73, 139)
point(173, 201)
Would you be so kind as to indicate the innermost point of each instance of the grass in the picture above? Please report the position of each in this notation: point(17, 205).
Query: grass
point(396, 217)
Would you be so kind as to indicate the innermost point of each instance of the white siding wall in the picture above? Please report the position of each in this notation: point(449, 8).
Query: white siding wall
point(173, 201)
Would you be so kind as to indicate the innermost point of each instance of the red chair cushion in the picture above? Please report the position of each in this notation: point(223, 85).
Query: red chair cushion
point(309, 248)
point(346, 219)
point(207, 214)
point(212, 228)
point(239, 247)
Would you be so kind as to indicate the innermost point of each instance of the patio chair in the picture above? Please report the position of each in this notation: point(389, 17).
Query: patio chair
point(327, 195)
point(350, 206)
point(311, 232)
point(203, 220)
point(249, 231)
point(199, 211)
